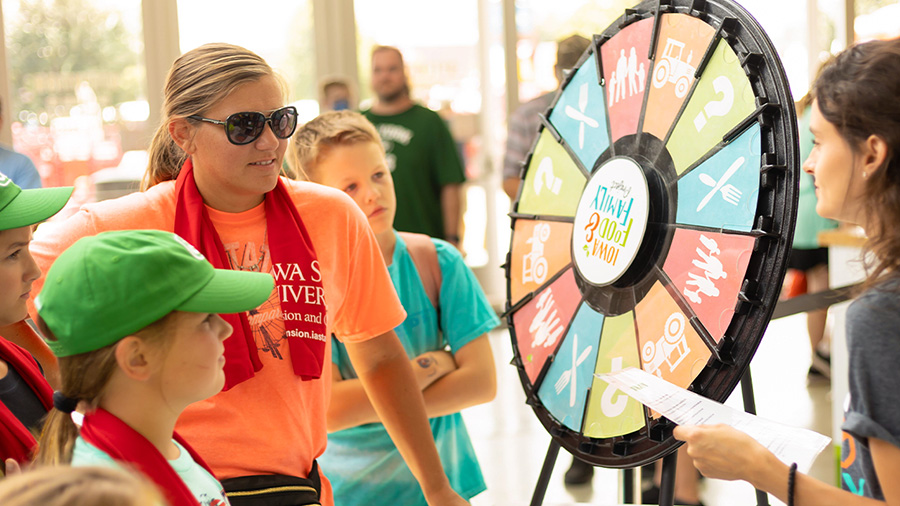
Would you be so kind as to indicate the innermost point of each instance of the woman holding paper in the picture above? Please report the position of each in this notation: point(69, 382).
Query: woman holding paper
point(856, 165)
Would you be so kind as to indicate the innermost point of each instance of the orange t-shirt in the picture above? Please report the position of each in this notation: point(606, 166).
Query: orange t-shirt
point(273, 423)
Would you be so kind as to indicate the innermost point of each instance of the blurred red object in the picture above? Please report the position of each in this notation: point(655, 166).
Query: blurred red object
point(794, 284)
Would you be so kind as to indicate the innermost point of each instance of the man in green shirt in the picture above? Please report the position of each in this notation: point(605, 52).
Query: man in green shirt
point(421, 153)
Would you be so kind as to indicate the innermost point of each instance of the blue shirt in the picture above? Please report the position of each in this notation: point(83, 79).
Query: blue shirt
point(362, 462)
point(19, 168)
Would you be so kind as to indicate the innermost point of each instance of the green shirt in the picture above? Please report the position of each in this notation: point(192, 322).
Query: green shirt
point(423, 158)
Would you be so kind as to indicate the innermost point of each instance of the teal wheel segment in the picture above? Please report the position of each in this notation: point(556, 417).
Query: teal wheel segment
point(579, 114)
point(565, 389)
point(722, 191)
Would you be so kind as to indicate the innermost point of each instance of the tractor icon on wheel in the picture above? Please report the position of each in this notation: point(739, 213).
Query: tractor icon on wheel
point(534, 265)
point(672, 69)
point(670, 349)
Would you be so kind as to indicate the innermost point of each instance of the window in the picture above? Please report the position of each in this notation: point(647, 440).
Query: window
point(280, 32)
point(78, 99)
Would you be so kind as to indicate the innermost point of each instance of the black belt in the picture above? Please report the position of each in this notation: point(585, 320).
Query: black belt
point(274, 489)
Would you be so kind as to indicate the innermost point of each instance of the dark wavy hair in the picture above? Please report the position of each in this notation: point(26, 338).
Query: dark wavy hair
point(859, 93)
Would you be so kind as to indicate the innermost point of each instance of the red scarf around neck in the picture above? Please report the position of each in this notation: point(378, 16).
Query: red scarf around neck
point(16, 441)
point(298, 281)
point(124, 444)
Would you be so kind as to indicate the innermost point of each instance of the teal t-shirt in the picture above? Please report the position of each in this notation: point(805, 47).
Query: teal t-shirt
point(205, 487)
point(809, 223)
point(362, 463)
point(423, 158)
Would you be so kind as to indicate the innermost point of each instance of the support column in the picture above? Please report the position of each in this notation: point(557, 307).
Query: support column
point(5, 132)
point(335, 32)
point(161, 48)
point(510, 41)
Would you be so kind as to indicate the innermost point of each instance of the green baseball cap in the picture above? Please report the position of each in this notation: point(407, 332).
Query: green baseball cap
point(20, 208)
point(113, 284)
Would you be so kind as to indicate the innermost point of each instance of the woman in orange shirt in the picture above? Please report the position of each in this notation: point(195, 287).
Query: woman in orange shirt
point(214, 178)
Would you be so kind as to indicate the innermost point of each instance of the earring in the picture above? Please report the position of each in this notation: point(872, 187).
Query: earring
point(865, 174)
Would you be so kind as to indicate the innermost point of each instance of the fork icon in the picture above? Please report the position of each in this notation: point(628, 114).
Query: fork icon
point(570, 376)
point(729, 192)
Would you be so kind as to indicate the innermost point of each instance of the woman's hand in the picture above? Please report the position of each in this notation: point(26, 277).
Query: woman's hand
point(431, 366)
point(722, 452)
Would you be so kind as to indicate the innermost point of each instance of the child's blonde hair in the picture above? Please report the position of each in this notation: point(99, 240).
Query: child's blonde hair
point(78, 486)
point(83, 378)
point(314, 140)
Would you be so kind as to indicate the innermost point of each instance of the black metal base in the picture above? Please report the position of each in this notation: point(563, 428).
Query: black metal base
point(669, 463)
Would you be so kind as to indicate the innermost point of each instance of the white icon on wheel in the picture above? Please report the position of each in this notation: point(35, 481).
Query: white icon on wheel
point(670, 349)
point(712, 268)
point(672, 69)
point(627, 74)
point(570, 376)
point(534, 265)
point(730, 193)
point(545, 327)
point(578, 114)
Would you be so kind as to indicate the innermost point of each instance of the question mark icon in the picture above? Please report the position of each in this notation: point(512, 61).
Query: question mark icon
point(722, 86)
point(544, 175)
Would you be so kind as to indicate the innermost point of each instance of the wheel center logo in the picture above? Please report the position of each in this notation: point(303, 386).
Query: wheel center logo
point(610, 221)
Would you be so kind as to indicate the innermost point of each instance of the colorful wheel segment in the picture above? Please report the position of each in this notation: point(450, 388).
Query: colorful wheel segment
point(653, 223)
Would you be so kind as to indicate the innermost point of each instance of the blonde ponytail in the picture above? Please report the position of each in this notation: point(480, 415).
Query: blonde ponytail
point(84, 378)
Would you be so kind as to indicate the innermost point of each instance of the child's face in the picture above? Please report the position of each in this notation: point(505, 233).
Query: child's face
point(17, 272)
point(360, 171)
point(839, 183)
point(192, 368)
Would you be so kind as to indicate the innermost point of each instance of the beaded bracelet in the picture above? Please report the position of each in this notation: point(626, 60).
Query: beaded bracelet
point(792, 474)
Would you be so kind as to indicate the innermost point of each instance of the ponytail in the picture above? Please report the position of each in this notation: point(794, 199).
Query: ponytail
point(57, 439)
point(166, 159)
point(84, 378)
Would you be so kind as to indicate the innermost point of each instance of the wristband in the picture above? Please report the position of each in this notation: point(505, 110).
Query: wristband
point(792, 474)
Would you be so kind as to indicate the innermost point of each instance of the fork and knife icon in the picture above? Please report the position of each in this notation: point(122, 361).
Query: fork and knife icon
point(729, 192)
point(570, 376)
point(580, 116)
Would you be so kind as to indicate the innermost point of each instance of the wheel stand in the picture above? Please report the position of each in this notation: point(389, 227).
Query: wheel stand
point(667, 482)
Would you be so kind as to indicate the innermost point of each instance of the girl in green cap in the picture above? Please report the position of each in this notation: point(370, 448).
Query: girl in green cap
point(133, 318)
point(25, 395)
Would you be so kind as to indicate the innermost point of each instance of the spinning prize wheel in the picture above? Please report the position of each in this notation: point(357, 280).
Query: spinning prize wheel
point(653, 223)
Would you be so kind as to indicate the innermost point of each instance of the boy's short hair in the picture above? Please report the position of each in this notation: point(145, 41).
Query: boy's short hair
point(315, 139)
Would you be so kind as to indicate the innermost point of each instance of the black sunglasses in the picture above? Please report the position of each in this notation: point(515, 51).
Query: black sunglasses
point(245, 127)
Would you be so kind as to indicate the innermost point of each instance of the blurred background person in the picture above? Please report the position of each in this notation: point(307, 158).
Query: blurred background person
point(421, 153)
point(17, 166)
point(808, 258)
point(523, 124)
point(335, 95)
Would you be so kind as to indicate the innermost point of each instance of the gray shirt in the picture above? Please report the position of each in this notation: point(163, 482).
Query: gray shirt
point(872, 407)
